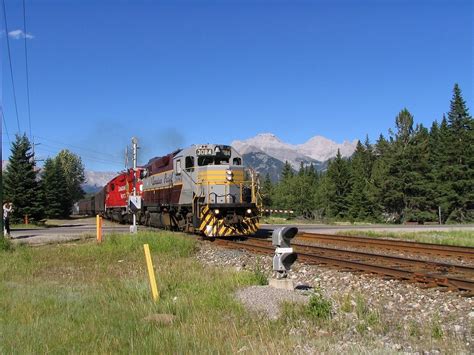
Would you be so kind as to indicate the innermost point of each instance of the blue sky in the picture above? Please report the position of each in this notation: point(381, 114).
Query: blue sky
point(174, 73)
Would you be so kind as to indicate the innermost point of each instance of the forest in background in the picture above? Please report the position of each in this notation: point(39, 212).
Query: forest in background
point(414, 174)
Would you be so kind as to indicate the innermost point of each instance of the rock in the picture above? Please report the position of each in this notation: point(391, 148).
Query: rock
point(160, 319)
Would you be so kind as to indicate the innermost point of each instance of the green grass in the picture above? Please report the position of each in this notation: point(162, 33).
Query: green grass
point(455, 238)
point(85, 297)
point(91, 298)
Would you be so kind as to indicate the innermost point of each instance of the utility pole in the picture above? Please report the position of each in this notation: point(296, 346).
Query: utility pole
point(126, 157)
point(134, 204)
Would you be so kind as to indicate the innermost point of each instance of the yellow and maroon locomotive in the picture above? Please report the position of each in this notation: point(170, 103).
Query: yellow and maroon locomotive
point(201, 189)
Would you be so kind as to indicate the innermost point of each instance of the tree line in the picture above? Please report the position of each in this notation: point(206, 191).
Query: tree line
point(415, 174)
point(49, 193)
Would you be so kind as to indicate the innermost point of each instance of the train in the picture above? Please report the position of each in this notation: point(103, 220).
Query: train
point(203, 189)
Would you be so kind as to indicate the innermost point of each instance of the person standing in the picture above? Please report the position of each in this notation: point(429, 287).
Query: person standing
point(7, 209)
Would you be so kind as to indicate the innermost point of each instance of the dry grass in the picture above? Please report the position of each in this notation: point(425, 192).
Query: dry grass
point(455, 238)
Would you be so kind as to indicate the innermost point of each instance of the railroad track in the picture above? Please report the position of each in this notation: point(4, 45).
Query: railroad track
point(428, 274)
point(461, 253)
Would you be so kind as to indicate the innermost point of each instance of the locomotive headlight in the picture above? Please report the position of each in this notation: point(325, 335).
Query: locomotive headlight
point(229, 174)
point(249, 211)
point(141, 188)
point(216, 211)
point(229, 177)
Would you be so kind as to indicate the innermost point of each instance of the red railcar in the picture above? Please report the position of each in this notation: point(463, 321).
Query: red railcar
point(117, 192)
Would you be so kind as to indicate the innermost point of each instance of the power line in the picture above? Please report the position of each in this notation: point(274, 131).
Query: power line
point(77, 147)
point(5, 125)
point(11, 67)
point(26, 67)
point(85, 157)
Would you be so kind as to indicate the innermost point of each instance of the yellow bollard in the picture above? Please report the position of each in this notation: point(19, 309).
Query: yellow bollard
point(99, 228)
point(151, 273)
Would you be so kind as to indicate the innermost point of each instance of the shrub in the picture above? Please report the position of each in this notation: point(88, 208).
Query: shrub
point(319, 307)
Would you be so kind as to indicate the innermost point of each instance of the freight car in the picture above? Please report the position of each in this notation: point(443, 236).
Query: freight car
point(201, 189)
point(86, 206)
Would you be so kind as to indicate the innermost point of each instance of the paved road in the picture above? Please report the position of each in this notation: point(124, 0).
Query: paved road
point(75, 230)
point(81, 228)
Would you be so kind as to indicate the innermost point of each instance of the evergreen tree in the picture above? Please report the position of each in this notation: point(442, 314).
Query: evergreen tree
point(20, 184)
point(418, 194)
point(360, 207)
point(267, 191)
point(378, 189)
point(338, 187)
point(457, 163)
point(287, 171)
point(399, 162)
point(54, 190)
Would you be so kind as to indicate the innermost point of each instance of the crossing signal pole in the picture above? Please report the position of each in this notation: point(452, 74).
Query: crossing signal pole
point(134, 202)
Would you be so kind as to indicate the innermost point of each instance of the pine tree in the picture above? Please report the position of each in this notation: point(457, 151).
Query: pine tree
point(20, 184)
point(457, 162)
point(267, 191)
point(418, 186)
point(360, 206)
point(287, 171)
point(378, 189)
point(54, 190)
point(339, 187)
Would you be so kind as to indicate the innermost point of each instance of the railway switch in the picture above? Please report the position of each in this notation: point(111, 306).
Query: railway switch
point(284, 255)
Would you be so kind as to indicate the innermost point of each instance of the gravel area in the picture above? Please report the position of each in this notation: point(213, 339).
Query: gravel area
point(267, 300)
point(394, 315)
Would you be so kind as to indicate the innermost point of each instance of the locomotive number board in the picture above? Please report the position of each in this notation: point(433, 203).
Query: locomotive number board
point(204, 151)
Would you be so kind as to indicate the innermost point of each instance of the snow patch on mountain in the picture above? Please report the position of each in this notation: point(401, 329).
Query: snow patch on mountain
point(322, 149)
point(316, 149)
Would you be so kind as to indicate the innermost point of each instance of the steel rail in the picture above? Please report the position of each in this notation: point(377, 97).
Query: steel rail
point(390, 244)
point(373, 265)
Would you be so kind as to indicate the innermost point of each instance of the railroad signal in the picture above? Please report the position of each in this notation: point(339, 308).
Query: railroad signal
point(284, 255)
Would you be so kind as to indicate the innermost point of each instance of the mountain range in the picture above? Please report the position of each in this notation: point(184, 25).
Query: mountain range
point(266, 153)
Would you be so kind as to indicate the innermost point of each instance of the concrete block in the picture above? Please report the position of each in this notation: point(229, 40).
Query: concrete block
point(284, 284)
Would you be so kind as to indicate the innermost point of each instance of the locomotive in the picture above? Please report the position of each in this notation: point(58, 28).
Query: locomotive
point(203, 189)
point(111, 201)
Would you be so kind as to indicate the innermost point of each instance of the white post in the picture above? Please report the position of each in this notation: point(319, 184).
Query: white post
point(133, 227)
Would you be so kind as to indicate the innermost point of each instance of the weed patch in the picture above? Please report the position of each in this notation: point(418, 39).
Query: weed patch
point(319, 307)
point(5, 244)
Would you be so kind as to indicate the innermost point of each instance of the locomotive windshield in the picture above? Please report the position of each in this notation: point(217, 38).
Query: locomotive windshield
point(212, 160)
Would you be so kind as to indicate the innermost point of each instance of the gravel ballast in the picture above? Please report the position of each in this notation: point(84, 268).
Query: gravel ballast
point(407, 317)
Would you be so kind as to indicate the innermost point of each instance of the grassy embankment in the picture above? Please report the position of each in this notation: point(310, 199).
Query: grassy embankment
point(455, 238)
point(93, 298)
point(89, 298)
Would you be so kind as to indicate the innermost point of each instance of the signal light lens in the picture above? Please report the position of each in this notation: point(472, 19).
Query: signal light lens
point(216, 211)
point(249, 211)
